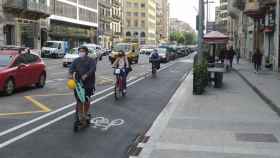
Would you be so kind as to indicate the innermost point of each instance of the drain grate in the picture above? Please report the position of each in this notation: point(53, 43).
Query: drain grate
point(256, 137)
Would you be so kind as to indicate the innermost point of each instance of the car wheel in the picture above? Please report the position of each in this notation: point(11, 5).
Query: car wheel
point(42, 81)
point(9, 87)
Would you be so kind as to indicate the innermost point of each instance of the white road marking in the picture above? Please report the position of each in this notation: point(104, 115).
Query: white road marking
point(10, 141)
point(104, 123)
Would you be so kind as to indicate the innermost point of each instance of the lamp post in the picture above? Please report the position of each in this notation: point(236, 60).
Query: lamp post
point(200, 30)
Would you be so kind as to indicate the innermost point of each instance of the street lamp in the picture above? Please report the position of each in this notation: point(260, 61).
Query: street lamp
point(200, 27)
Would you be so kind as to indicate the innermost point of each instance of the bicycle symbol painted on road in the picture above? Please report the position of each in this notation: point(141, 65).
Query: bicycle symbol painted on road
point(104, 123)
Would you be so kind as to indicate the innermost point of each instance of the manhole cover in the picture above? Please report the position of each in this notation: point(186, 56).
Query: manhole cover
point(256, 137)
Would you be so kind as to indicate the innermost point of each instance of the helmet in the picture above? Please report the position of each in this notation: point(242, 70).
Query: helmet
point(71, 84)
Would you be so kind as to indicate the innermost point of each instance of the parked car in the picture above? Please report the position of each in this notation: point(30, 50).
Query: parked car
point(20, 68)
point(73, 54)
point(55, 49)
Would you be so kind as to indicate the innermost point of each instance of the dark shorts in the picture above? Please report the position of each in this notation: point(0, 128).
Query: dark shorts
point(88, 93)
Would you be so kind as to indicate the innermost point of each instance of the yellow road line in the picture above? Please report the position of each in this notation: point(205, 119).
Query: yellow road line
point(20, 113)
point(48, 95)
point(43, 107)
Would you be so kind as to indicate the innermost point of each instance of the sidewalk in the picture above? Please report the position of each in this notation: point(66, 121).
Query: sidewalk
point(233, 122)
point(266, 83)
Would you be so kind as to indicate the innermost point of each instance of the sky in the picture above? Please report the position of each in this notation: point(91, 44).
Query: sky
point(186, 10)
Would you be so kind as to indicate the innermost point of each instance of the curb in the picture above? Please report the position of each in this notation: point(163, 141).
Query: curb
point(266, 99)
point(142, 148)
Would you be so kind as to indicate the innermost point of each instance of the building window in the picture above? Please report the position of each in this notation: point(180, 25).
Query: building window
point(143, 14)
point(143, 23)
point(128, 23)
point(129, 5)
point(135, 34)
point(128, 34)
point(128, 13)
point(135, 13)
point(136, 5)
point(143, 34)
point(142, 5)
point(136, 23)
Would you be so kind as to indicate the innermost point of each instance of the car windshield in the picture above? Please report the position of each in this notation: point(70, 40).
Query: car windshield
point(5, 60)
point(161, 51)
point(73, 51)
point(122, 47)
point(52, 45)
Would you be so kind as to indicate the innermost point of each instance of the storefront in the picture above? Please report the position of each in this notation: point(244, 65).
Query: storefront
point(73, 33)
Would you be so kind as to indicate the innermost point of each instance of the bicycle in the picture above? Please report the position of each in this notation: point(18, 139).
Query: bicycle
point(119, 84)
point(154, 70)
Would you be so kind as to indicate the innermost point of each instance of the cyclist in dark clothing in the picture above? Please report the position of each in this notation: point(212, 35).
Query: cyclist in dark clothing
point(83, 70)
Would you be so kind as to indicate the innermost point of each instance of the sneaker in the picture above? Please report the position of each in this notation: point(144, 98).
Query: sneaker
point(124, 91)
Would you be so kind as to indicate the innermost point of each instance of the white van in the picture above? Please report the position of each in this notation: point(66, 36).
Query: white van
point(54, 49)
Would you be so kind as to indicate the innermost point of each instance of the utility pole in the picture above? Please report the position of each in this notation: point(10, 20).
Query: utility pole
point(200, 30)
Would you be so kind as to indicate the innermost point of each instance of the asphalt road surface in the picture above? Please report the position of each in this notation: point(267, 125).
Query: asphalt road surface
point(48, 130)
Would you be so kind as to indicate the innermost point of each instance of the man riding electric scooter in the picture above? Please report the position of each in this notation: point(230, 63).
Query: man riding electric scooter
point(82, 70)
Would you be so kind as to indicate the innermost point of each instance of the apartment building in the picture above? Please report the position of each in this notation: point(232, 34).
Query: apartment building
point(139, 22)
point(162, 21)
point(23, 22)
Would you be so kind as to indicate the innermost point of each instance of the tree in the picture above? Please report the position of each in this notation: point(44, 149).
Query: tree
point(186, 38)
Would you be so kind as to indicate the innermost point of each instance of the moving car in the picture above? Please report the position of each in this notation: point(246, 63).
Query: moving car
point(20, 68)
point(73, 54)
point(55, 49)
point(131, 50)
point(95, 48)
point(164, 54)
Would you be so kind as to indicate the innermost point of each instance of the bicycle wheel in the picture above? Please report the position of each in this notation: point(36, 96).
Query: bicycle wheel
point(117, 88)
point(123, 87)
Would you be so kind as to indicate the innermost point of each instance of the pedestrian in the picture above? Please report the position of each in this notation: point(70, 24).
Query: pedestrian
point(231, 54)
point(257, 60)
point(237, 56)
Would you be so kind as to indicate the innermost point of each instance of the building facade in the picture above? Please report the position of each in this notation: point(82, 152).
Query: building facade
point(162, 21)
point(23, 23)
point(116, 24)
point(104, 23)
point(258, 29)
point(222, 17)
point(75, 21)
point(139, 23)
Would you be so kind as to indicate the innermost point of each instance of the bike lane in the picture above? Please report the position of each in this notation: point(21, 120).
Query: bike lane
point(136, 112)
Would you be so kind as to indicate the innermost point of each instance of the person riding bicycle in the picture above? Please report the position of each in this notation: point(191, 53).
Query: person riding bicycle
point(122, 63)
point(83, 70)
point(155, 59)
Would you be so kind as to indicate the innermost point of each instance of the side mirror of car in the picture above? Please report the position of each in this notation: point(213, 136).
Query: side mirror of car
point(20, 66)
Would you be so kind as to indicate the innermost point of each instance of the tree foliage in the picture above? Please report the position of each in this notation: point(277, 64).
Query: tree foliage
point(186, 38)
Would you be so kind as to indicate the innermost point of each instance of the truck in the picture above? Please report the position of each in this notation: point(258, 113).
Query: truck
point(55, 49)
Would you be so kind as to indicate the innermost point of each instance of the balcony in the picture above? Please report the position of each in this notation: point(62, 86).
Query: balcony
point(116, 3)
point(104, 3)
point(116, 18)
point(27, 8)
point(253, 9)
point(106, 19)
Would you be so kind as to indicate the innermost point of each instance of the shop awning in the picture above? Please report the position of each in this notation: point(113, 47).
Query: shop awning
point(215, 37)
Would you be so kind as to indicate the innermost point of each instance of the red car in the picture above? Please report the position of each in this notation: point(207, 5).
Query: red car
point(20, 68)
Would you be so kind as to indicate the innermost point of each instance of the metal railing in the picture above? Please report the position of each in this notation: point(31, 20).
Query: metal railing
point(16, 4)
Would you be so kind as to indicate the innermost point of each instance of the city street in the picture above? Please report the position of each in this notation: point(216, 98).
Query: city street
point(37, 121)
